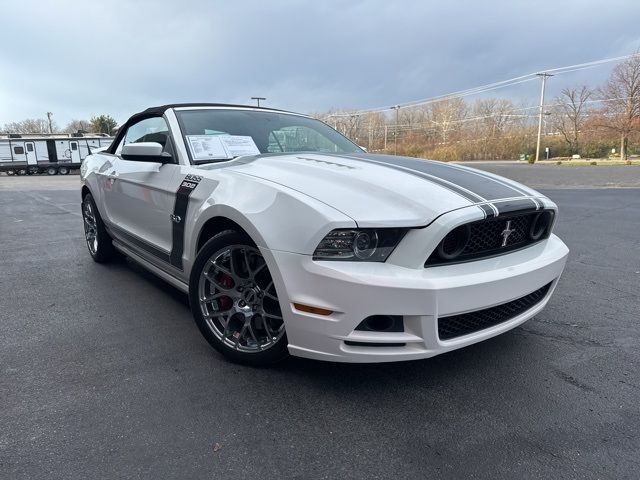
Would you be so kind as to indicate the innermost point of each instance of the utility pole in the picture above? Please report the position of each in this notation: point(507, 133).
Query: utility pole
point(541, 111)
point(49, 115)
point(257, 99)
point(395, 130)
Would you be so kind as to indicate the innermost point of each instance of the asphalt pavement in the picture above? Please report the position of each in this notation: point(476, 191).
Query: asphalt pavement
point(103, 373)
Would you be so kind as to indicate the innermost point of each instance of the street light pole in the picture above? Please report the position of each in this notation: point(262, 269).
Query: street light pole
point(49, 115)
point(395, 130)
point(541, 111)
point(257, 99)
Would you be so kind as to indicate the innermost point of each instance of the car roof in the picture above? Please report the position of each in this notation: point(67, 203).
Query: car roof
point(159, 110)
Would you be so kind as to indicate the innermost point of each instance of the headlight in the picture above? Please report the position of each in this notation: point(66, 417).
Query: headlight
point(359, 245)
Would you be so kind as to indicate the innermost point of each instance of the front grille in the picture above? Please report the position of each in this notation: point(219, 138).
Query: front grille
point(465, 323)
point(484, 238)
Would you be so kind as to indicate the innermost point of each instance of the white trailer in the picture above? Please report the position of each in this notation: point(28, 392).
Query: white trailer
point(28, 154)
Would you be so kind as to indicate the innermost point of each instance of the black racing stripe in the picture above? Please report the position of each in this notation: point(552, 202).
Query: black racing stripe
point(517, 205)
point(539, 204)
point(488, 211)
point(141, 244)
point(438, 181)
point(187, 186)
point(475, 171)
point(469, 196)
point(484, 186)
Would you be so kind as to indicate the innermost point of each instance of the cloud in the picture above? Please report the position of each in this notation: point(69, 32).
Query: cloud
point(78, 58)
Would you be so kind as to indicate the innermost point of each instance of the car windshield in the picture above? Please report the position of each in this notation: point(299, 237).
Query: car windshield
point(247, 132)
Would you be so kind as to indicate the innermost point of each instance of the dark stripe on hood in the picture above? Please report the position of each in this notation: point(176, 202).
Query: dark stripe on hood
point(488, 211)
point(484, 186)
point(517, 205)
point(469, 195)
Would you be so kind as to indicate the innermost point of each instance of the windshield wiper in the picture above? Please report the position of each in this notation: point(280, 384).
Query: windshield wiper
point(217, 160)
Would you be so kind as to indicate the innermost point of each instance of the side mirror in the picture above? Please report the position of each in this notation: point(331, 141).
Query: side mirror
point(363, 148)
point(145, 152)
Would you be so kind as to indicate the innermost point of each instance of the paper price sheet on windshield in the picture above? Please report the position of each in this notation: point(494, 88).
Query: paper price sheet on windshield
point(239, 145)
point(221, 147)
point(207, 147)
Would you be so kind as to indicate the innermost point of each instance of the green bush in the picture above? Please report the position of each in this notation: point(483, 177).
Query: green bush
point(593, 163)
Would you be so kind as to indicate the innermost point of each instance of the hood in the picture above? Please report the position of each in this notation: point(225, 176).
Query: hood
point(384, 190)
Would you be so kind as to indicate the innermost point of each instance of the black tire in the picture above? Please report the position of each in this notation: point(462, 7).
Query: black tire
point(22, 171)
point(63, 170)
point(11, 172)
point(269, 352)
point(101, 250)
point(51, 171)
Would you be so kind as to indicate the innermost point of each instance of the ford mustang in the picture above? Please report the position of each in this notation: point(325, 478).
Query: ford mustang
point(290, 239)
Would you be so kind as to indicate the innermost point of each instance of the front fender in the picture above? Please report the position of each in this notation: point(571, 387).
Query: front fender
point(90, 168)
point(274, 216)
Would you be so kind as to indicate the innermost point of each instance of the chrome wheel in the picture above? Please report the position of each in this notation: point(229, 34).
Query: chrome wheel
point(90, 226)
point(238, 300)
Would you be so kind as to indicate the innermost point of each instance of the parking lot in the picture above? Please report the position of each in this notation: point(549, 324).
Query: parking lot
point(105, 375)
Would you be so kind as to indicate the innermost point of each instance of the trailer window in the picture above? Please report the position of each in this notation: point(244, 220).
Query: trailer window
point(18, 150)
point(29, 147)
point(74, 146)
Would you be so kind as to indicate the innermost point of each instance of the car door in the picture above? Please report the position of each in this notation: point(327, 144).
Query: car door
point(138, 198)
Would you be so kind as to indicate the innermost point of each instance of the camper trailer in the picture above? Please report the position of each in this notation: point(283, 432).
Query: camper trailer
point(51, 154)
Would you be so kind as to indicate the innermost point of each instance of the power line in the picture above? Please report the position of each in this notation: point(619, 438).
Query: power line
point(491, 86)
point(510, 113)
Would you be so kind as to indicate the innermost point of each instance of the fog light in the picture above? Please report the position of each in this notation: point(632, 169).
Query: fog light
point(454, 243)
point(381, 323)
point(540, 225)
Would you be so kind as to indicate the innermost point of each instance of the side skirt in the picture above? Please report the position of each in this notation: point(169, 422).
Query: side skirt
point(167, 277)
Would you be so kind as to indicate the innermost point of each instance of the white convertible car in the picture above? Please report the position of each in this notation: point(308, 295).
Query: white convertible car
point(290, 239)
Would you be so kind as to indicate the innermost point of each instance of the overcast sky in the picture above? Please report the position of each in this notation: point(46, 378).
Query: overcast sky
point(78, 59)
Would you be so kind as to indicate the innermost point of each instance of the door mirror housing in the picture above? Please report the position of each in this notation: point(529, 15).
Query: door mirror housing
point(145, 152)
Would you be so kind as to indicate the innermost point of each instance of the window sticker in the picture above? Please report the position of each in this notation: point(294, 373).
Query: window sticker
point(207, 147)
point(239, 145)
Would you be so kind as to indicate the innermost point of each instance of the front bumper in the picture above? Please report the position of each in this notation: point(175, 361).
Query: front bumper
point(354, 291)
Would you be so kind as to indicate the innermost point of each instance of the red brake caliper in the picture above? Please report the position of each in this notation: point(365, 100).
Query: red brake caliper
point(225, 303)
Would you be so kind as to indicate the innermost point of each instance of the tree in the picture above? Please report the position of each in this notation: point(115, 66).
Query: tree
point(78, 125)
point(30, 125)
point(446, 116)
point(494, 115)
point(621, 99)
point(103, 124)
point(570, 114)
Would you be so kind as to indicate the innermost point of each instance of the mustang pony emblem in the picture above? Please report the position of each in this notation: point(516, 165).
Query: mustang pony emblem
point(506, 232)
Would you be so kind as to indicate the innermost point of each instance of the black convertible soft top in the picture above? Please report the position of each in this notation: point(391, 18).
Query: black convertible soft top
point(159, 111)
